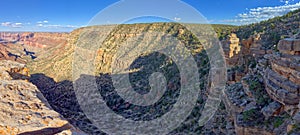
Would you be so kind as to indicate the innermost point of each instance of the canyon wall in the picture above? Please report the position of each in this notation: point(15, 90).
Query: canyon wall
point(36, 39)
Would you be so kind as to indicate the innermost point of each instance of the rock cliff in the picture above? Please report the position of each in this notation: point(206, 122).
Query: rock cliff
point(267, 99)
point(5, 54)
point(23, 108)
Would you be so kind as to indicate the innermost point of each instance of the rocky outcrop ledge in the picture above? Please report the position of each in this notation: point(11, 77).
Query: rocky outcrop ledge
point(23, 108)
point(282, 79)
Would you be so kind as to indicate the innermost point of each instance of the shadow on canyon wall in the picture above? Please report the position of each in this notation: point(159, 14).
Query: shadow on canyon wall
point(48, 131)
point(62, 97)
point(31, 54)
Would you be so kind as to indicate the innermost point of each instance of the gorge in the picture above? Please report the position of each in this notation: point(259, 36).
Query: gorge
point(262, 86)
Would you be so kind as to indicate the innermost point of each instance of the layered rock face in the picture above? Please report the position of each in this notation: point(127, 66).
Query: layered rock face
point(268, 96)
point(57, 60)
point(6, 55)
point(289, 46)
point(237, 52)
point(23, 108)
point(232, 49)
point(282, 79)
point(262, 96)
point(253, 46)
point(241, 54)
point(40, 40)
point(240, 57)
point(234, 45)
point(233, 54)
point(9, 37)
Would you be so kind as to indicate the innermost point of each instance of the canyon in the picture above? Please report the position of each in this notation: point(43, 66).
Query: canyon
point(262, 91)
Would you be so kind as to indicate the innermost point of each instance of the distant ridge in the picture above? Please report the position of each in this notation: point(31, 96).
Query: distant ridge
point(274, 29)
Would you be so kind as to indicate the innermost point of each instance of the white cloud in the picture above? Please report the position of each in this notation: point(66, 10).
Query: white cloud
point(6, 24)
point(53, 26)
point(177, 19)
point(263, 13)
point(286, 2)
point(17, 25)
point(42, 22)
point(40, 25)
point(14, 25)
point(46, 24)
point(72, 26)
point(57, 26)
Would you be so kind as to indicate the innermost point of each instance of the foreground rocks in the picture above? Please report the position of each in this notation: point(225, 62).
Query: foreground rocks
point(282, 79)
point(23, 108)
point(267, 99)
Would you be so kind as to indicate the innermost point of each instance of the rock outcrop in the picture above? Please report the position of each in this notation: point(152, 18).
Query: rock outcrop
point(283, 74)
point(234, 46)
point(271, 88)
point(234, 54)
point(253, 46)
point(9, 37)
point(6, 55)
point(23, 108)
point(232, 49)
point(289, 46)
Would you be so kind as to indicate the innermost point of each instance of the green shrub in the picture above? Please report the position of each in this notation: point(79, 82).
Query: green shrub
point(250, 115)
point(278, 122)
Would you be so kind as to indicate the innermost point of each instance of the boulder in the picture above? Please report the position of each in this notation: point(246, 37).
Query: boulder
point(285, 45)
point(289, 46)
point(296, 45)
point(271, 109)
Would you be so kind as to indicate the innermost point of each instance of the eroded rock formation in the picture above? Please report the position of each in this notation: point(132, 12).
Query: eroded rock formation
point(23, 108)
point(6, 55)
point(282, 78)
point(253, 46)
point(232, 49)
point(269, 95)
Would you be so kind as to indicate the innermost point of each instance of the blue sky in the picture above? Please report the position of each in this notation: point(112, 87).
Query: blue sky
point(66, 15)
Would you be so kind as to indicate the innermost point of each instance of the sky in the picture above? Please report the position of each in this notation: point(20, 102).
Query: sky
point(67, 15)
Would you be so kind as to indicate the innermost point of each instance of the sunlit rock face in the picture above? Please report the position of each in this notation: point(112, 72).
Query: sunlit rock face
point(282, 79)
point(37, 39)
point(232, 49)
point(23, 108)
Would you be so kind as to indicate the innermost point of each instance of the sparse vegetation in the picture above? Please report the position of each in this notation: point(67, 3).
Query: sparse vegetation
point(271, 30)
point(223, 30)
point(258, 90)
point(251, 115)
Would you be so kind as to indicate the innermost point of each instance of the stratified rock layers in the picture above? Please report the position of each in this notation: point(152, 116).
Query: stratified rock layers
point(23, 108)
